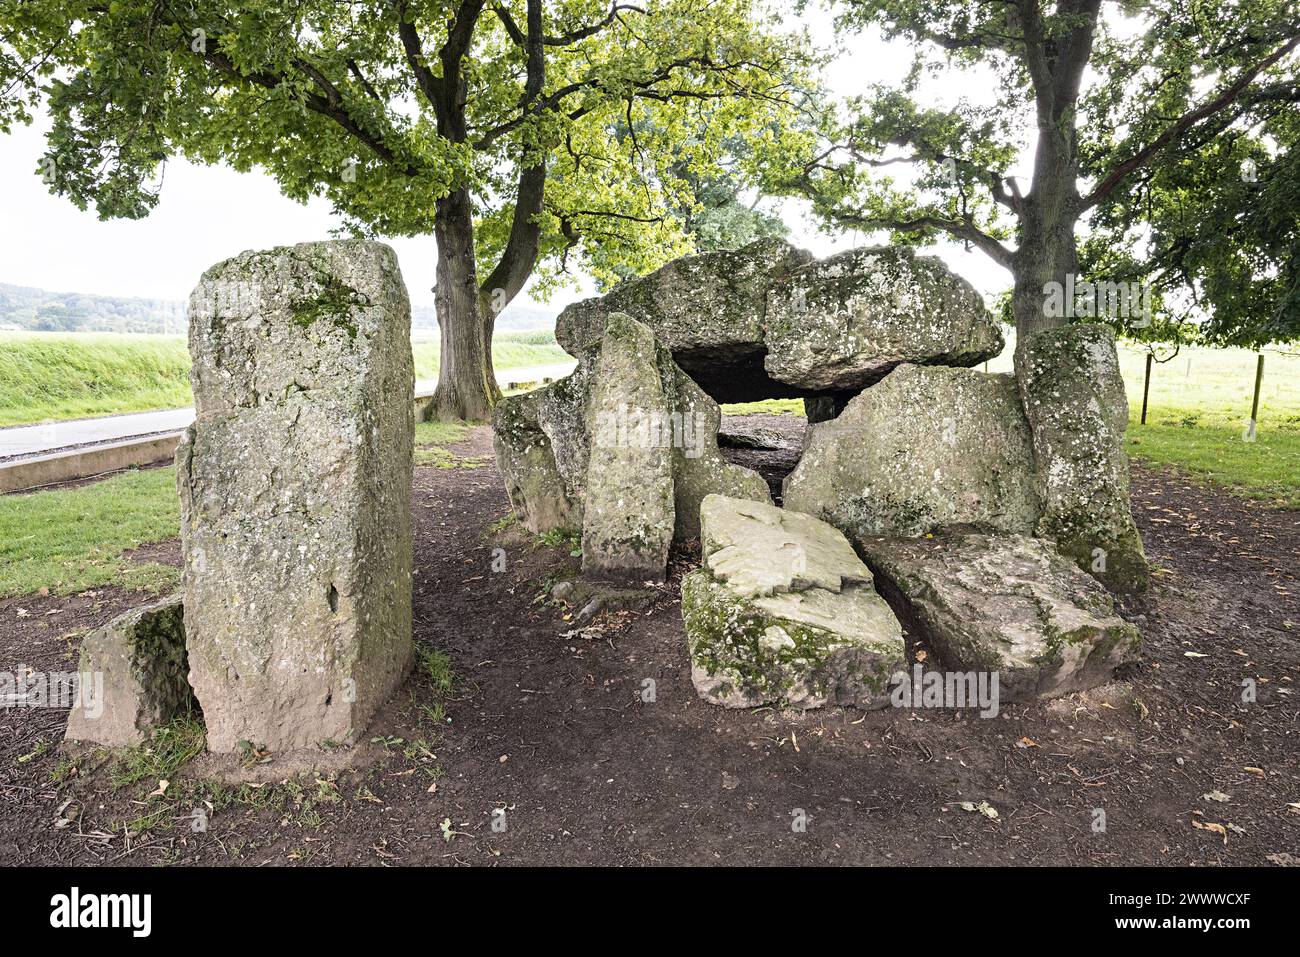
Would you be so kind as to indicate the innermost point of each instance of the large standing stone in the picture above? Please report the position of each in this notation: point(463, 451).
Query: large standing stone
point(628, 511)
point(841, 324)
point(707, 309)
point(926, 448)
point(1008, 604)
point(295, 484)
point(784, 612)
point(546, 441)
point(1074, 398)
point(132, 677)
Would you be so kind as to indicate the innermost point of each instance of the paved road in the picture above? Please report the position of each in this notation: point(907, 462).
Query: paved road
point(28, 440)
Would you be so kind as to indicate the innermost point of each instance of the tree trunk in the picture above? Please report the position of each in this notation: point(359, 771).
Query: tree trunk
point(1043, 266)
point(462, 391)
point(1047, 258)
point(488, 312)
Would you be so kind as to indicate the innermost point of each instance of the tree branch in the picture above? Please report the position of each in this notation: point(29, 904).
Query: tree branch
point(1184, 123)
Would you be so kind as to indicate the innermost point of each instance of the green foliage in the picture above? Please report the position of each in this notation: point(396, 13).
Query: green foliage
point(71, 539)
point(350, 102)
point(1139, 118)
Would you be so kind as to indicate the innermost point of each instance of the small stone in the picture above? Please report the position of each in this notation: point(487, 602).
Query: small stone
point(132, 677)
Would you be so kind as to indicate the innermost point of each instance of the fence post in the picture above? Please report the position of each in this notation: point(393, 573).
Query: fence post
point(1259, 380)
point(1146, 388)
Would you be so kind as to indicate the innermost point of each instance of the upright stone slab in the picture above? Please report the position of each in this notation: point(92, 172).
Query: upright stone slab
point(1074, 399)
point(926, 448)
point(544, 439)
point(295, 484)
point(628, 513)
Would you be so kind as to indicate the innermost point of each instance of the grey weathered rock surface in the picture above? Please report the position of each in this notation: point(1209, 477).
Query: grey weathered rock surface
point(546, 441)
point(295, 484)
point(1077, 409)
point(769, 321)
point(136, 669)
point(1009, 604)
point(784, 612)
point(707, 309)
point(628, 509)
point(926, 448)
point(842, 323)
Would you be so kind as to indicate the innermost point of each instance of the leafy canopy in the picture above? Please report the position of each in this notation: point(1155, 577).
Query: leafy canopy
point(337, 99)
point(1136, 118)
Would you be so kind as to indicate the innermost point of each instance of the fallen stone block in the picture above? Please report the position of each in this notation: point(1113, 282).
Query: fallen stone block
point(784, 612)
point(1009, 604)
point(132, 677)
point(927, 448)
point(295, 484)
point(1077, 409)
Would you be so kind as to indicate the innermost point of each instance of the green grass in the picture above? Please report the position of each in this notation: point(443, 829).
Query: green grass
point(68, 540)
point(52, 376)
point(75, 376)
point(1197, 413)
point(770, 406)
point(432, 439)
point(168, 750)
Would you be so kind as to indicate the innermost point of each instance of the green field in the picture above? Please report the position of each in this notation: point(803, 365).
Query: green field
point(48, 376)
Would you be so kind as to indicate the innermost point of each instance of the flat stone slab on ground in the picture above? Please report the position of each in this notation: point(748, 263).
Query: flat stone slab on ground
point(784, 612)
point(1004, 603)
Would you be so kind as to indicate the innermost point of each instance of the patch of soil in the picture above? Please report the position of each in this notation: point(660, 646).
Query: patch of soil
point(588, 745)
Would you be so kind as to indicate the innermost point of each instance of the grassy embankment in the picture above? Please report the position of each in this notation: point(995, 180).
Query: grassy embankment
point(51, 376)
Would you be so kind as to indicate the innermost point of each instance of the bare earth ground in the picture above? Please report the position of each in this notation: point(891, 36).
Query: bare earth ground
point(546, 721)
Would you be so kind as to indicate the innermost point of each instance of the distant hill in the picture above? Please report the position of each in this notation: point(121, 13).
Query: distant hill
point(39, 310)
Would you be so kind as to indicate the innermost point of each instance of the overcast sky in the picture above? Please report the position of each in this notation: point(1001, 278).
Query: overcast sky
point(207, 214)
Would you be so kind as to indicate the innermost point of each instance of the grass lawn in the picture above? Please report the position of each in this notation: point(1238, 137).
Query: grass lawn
point(71, 539)
point(68, 540)
point(50, 376)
